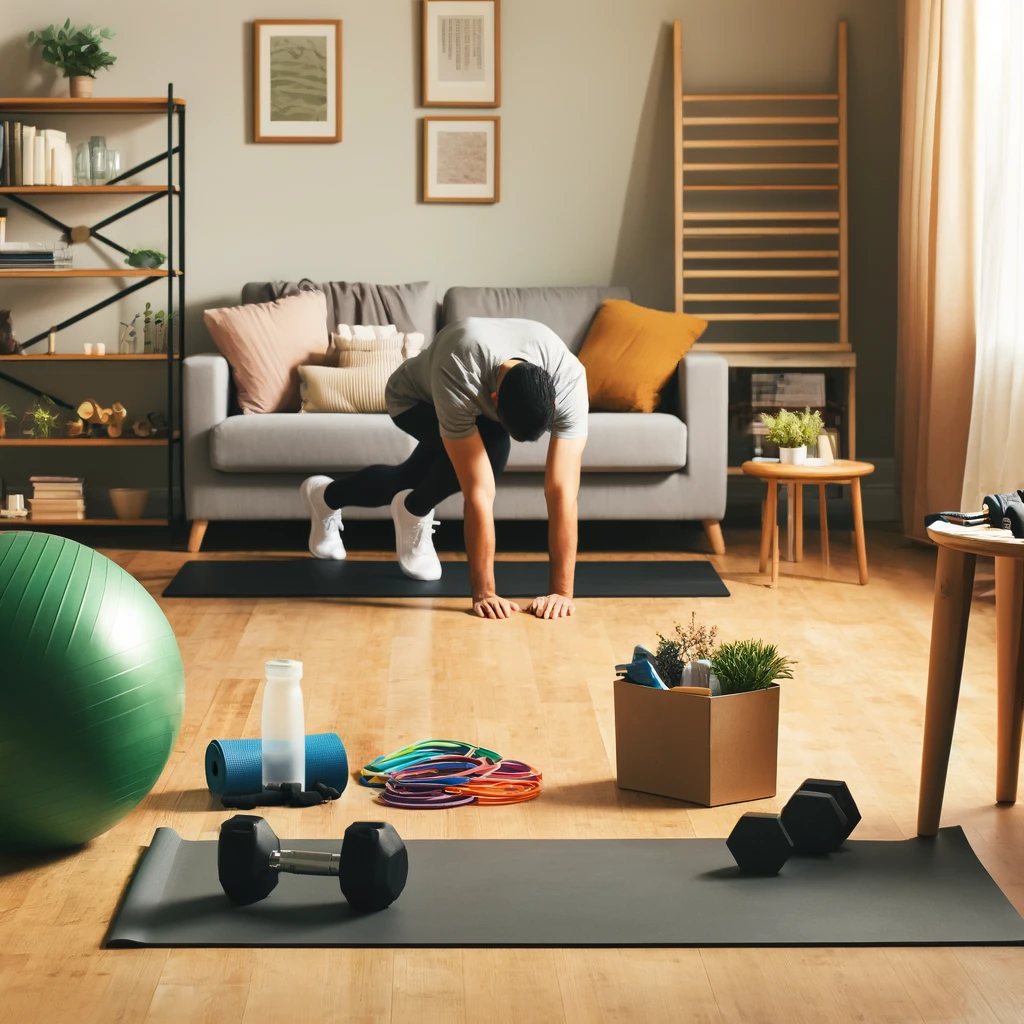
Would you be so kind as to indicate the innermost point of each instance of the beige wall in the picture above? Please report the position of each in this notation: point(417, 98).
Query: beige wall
point(586, 156)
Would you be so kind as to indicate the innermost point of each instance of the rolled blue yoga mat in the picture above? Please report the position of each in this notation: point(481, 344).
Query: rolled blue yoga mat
point(235, 767)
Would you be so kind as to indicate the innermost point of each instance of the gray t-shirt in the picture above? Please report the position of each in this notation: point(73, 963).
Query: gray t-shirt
point(458, 373)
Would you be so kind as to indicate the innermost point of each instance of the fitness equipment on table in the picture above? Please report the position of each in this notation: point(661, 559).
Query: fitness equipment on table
point(235, 767)
point(438, 774)
point(1000, 511)
point(93, 692)
point(818, 818)
point(371, 868)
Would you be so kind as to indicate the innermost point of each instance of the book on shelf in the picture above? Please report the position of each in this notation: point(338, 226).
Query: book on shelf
point(787, 390)
point(51, 517)
point(15, 152)
point(5, 157)
point(55, 505)
point(28, 154)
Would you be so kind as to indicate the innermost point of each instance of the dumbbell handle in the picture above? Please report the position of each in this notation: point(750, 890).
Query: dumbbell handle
point(305, 862)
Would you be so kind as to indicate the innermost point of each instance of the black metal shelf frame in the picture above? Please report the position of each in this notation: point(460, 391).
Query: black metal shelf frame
point(175, 406)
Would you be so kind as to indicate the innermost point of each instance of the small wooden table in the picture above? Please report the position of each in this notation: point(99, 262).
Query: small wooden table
point(841, 471)
point(954, 581)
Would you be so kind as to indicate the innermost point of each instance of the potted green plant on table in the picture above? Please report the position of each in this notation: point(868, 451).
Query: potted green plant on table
point(693, 744)
point(78, 53)
point(793, 432)
point(6, 413)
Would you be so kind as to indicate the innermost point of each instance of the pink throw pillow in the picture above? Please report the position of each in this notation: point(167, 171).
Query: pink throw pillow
point(267, 342)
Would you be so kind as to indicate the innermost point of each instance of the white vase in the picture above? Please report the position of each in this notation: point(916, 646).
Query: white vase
point(793, 456)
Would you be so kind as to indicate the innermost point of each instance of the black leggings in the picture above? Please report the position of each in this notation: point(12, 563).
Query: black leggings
point(428, 471)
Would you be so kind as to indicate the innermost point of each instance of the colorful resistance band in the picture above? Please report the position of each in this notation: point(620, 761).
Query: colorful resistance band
point(448, 773)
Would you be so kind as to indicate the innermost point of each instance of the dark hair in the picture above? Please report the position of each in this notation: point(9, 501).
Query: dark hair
point(526, 401)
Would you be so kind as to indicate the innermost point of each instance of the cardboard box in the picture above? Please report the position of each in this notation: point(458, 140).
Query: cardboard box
point(706, 750)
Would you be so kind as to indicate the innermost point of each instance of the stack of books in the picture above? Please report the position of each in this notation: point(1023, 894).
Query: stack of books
point(34, 256)
point(57, 497)
point(34, 156)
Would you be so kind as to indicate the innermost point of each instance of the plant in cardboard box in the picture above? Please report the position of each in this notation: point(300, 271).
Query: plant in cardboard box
point(688, 646)
point(712, 742)
point(746, 665)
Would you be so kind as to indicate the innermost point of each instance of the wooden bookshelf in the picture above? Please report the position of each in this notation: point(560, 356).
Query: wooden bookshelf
point(110, 190)
point(87, 442)
point(42, 524)
point(71, 272)
point(81, 357)
point(86, 105)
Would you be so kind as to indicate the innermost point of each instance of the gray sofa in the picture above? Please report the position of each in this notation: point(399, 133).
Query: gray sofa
point(669, 464)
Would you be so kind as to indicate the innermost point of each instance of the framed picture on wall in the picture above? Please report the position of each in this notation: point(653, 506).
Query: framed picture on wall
point(461, 159)
point(297, 81)
point(462, 53)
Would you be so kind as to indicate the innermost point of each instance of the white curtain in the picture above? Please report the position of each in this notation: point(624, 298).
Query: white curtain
point(995, 446)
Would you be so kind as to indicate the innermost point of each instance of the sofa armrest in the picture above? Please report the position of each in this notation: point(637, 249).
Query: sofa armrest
point(704, 408)
point(206, 382)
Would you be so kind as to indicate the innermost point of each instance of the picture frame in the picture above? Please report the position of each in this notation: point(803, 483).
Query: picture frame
point(462, 159)
point(461, 59)
point(296, 80)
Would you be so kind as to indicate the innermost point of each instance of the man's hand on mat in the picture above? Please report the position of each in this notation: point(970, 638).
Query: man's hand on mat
point(554, 606)
point(494, 607)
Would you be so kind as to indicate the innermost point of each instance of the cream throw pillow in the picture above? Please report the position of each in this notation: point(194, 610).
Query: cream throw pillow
point(367, 356)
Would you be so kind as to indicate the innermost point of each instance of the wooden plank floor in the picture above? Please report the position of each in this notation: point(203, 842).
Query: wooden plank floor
point(385, 673)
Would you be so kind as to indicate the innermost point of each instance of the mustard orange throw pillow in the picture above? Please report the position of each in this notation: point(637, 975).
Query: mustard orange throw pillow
point(267, 342)
point(631, 352)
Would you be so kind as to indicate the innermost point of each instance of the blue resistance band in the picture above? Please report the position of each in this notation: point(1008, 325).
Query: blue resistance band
point(235, 767)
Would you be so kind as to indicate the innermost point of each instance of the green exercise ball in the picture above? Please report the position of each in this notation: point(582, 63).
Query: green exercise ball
point(92, 692)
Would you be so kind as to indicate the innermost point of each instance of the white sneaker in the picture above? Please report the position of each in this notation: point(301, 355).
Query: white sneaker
point(414, 540)
point(325, 522)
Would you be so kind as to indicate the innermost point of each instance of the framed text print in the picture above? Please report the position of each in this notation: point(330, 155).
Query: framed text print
point(297, 81)
point(461, 159)
point(462, 53)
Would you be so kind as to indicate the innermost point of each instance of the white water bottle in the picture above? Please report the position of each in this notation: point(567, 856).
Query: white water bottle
point(284, 725)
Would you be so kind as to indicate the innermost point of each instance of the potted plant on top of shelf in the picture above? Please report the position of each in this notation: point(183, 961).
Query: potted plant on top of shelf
point(77, 53)
point(793, 432)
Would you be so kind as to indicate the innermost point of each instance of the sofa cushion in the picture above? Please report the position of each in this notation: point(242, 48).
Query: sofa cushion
point(324, 443)
point(266, 343)
point(567, 311)
point(617, 442)
point(410, 307)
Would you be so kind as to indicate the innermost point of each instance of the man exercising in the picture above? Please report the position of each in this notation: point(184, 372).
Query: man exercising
point(481, 382)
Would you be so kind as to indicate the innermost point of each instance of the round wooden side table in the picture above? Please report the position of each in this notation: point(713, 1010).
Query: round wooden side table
point(959, 548)
point(841, 471)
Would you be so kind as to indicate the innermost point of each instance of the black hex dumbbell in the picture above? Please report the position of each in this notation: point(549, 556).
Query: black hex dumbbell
point(372, 866)
point(760, 843)
point(820, 816)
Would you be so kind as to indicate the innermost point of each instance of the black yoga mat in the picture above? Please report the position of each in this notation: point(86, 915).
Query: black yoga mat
point(312, 577)
point(597, 892)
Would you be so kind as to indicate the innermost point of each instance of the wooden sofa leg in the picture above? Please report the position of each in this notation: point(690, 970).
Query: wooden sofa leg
point(195, 538)
point(713, 529)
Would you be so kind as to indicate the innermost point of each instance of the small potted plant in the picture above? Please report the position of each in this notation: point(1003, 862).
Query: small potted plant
point(40, 419)
point(161, 321)
point(793, 432)
point(695, 744)
point(146, 259)
point(6, 413)
point(77, 53)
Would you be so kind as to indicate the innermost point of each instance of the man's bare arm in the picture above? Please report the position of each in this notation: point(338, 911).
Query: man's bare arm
point(561, 489)
point(476, 478)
